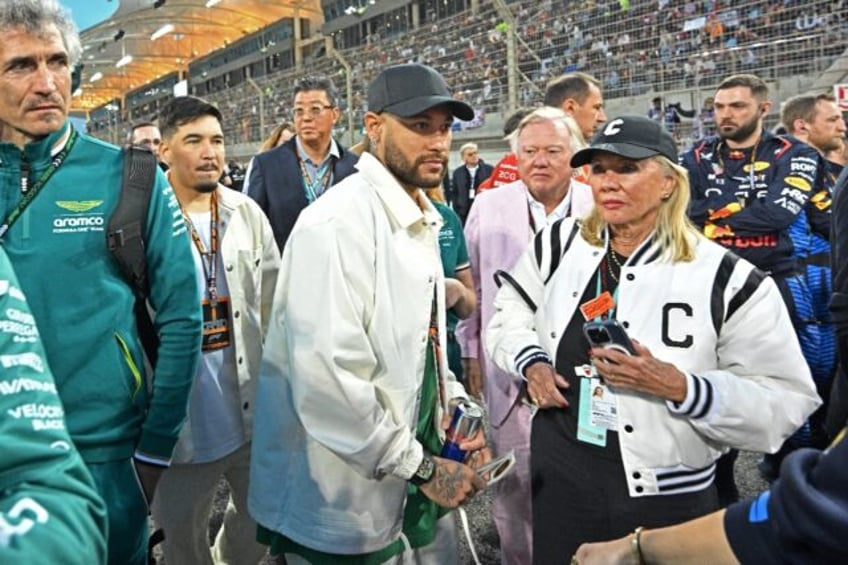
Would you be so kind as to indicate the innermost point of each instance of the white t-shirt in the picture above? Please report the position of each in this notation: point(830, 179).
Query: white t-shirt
point(214, 412)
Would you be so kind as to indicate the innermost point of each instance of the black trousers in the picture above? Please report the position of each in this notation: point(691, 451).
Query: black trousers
point(580, 496)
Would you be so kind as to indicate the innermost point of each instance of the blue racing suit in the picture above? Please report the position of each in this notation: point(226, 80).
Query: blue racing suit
point(751, 201)
point(812, 247)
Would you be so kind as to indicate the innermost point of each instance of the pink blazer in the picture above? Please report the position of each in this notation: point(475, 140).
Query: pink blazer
point(497, 232)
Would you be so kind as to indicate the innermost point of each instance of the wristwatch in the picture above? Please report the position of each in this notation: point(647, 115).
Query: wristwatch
point(426, 471)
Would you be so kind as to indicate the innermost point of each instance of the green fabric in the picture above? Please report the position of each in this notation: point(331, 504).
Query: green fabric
point(58, 249)
point(452, 246)
point(126, 509)
point(420, 513)
point(455, 357)
point(40, 469)
point(279, 544)
point(454, 254)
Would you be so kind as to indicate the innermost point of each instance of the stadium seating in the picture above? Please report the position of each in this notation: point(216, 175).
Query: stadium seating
point(637, 48)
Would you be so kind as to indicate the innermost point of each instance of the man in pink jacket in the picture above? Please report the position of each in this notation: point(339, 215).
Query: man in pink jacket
point(499, 227)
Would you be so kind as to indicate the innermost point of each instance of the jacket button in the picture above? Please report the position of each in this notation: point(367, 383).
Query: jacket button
point(631, 277)
point(625, 324)
point(256, 263)
point(236, 315)
point(553, 335)
point(240, 360)
point(637, 475)
point(628, 428)
point(246, 405)
point(639, 489)
point(229, 267)
point(574, 294)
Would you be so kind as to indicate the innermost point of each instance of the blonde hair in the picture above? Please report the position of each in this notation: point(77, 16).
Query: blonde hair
point(274, 137)
point(675, 234)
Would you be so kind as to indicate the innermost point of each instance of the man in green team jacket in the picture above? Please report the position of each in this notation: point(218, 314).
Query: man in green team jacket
point(58, 189)
point(49, 510)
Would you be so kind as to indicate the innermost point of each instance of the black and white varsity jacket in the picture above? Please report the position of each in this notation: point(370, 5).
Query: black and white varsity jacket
point(721, 321)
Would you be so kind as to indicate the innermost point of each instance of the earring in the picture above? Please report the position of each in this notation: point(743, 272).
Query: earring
point(666, 196)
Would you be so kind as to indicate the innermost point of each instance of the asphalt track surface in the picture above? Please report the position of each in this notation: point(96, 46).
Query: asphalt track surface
point(482, 527)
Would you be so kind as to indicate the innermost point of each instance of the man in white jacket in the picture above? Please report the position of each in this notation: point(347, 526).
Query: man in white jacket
point(353, 386)
point(236, 260)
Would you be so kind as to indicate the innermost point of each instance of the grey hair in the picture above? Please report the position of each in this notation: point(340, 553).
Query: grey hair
point(36, 16)
point(470, 146)
point(560, 119)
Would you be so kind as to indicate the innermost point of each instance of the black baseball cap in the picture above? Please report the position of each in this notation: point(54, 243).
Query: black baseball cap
point(633, 137)
point(407, 90)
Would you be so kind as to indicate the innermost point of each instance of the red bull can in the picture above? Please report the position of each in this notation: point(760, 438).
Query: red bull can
point(467, 419)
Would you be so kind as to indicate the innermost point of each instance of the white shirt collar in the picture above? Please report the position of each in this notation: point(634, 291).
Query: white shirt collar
point(541, 218)
point(301, 152)
point(400, 206)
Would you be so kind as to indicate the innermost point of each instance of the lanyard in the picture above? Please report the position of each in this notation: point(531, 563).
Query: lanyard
point(210, 272)
point(29, 195)
point(320, 180)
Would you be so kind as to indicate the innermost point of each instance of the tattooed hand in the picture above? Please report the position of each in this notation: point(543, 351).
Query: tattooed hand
point(453, 483)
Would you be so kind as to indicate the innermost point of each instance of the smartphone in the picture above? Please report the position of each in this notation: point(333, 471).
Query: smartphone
point(498, 468)
point(610, 334)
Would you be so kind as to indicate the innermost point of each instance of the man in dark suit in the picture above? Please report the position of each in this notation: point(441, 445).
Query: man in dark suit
point(286, 179)
point(465, 180)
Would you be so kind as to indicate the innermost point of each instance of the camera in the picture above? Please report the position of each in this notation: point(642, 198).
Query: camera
point(597, 335)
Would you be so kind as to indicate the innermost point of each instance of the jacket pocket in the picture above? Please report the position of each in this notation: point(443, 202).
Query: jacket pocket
point(249, 274)
point(135, 385)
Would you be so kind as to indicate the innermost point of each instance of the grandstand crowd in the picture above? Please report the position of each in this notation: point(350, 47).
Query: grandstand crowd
point(359, 339)
point(631, 47)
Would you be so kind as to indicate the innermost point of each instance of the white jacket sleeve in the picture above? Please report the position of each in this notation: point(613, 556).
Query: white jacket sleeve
point(332, 362)
point(511, 336)
point(270, 270)
point(762, 390)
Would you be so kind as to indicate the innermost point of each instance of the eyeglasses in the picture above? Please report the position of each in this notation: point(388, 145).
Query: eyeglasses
point(312, 111)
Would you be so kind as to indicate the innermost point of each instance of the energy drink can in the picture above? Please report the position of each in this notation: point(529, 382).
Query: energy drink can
point(467, 419)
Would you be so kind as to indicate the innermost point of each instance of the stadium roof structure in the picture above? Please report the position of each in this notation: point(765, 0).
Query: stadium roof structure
point(189, 29)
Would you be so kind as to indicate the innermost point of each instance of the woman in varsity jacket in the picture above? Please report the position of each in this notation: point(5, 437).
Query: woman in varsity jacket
point(715, 361)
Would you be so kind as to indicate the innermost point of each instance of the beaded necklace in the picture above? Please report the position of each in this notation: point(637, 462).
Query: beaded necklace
point(611, 266)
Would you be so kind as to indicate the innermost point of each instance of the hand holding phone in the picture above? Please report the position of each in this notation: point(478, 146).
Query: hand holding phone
point(609, 334)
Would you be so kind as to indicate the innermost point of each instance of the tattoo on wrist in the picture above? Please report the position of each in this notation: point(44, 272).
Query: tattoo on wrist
point(448, 480)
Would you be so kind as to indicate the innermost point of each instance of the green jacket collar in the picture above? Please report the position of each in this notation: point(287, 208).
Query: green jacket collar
point(38, 151)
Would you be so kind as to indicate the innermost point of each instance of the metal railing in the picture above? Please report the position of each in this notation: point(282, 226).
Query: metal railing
point(504, 54)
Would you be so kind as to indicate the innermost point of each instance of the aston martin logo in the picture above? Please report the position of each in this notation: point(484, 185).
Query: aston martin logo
point(78, 205)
